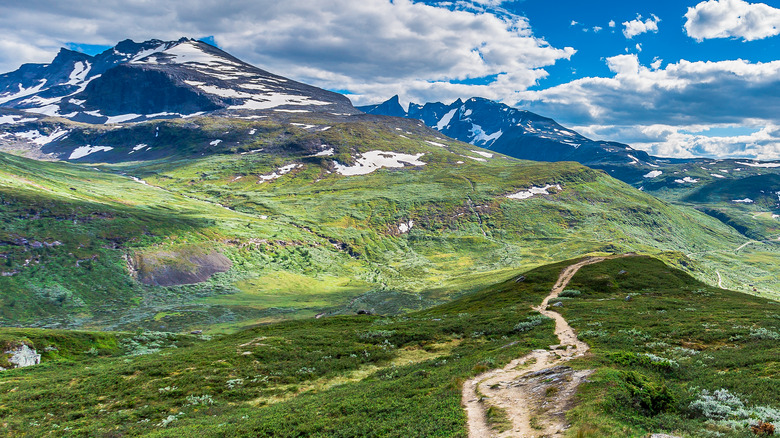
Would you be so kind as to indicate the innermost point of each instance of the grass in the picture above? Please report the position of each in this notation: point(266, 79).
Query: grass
point(319, 377)
point(497, 419)
point(656, 353)
point(311, 241)
point(401, 375)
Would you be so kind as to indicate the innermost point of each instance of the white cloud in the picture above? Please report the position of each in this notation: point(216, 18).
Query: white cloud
point(612, 23)
point(650, 107)
point(732, 19)
point(375, 48)
point(637, 26)
point(573, 23)
point(693, 141)
point(597, 29)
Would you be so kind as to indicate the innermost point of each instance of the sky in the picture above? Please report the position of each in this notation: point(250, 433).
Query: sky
point(678, 78)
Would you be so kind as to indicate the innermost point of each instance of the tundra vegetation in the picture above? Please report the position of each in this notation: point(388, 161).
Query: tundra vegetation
point(679, 357)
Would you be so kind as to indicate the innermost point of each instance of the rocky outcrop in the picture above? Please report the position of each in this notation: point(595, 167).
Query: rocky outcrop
point(188, 265)
point(22, 356)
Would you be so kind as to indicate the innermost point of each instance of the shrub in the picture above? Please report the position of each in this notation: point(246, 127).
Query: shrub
point(727, 409)
point(765, 334)
point(570, 293)
point(644, 359)
point(200, 400)
point(530, 323)
point(646, 396)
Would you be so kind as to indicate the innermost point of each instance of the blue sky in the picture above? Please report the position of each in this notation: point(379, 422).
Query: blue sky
point(688, 78)
point(670, 43)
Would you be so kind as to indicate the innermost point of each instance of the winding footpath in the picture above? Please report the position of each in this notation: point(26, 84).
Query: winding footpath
point(535, 390)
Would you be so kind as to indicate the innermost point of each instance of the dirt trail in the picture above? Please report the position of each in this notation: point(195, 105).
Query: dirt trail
point(535, 390)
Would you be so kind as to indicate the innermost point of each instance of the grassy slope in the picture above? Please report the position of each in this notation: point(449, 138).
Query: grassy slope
point(329, 243)
point(712, 339)
point(757, 221)
point(400, 376)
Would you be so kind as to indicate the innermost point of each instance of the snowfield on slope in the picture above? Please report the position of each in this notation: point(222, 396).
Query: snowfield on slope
point(83, 151)
point(373, 160)
point(279, 172)
point(531, 192)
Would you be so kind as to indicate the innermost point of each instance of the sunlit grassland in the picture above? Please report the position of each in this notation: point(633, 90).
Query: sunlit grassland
point(656, 351)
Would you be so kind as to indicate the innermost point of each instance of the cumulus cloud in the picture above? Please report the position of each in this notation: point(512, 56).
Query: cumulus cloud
point(637, 101)
point(694, 141)
point(374, 48)
point(637, 26)
point(612, 23)
point(732, 19)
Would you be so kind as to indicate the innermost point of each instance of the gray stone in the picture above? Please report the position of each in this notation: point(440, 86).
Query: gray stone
point(23, 356)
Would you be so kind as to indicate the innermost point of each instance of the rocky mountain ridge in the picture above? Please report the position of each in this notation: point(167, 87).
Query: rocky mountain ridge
point(155, 79)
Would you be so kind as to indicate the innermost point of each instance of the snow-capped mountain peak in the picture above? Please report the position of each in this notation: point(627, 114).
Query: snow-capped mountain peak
point(511, 131)
point(153, 79)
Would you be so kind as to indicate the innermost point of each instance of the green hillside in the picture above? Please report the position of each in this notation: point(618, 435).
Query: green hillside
point(86, 246)
point(659, 358)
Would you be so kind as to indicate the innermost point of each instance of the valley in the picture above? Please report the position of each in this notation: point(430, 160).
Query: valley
point(192, 245)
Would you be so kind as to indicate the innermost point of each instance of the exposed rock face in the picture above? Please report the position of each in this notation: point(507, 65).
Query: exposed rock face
point(184, 266)
point(23, 356)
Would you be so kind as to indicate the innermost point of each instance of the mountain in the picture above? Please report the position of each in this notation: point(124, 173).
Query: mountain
point(741, 193)
point(510, 131)
point(156, 79)
point(234, 217)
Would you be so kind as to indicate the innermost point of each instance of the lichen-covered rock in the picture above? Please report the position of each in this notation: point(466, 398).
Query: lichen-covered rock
point(23, 356)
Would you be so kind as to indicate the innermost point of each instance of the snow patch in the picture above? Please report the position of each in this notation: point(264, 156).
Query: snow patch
point(652, 174)
point(36, 137)
point(475, 158)
point(215, 142)
point(325, 153)
point(279, 172)
point(525, 194)
point(433, 143)
point(252, 131)
point(83, 151)
point(224, 92)
point(484, 154)
point(743, 201)
point(190, 53)
point(404, 227)
point(687, 179)
point(374, 160)
point(445, 120)
point(253, 151)
point(121, 118)
point(13, 120)
point(767, 165)
point(717, 175)
point(7, 97)
point(138, 147)
point(79, 73)
point(480, 135)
